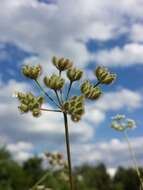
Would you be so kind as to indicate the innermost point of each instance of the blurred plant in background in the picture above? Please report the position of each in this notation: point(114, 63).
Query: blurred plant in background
point(122, 124)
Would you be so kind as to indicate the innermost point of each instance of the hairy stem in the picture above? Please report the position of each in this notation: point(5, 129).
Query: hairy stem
point(68, 93)
point(44, 109)
point(134, 159)
point(68, 151)
point(45, 93)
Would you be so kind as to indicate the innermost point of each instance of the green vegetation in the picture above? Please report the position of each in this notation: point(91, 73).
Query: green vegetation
point(14, 176)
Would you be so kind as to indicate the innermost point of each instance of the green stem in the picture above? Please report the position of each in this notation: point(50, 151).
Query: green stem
point(40, 180)
point(45, 93)
point(97, 84)
point(134, 159)
point(58, 98)
point(61, 92)
point(68, 93)
point(44, 109)
point(68, 151)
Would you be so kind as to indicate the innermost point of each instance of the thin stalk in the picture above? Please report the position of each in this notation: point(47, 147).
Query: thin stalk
point(45, 93)
point(68, 93)
point(134, 159)
point(68, 151)
point(44, 109)
point(97, 83)
point(61, 92)
point(58, 98)
point(40, 180)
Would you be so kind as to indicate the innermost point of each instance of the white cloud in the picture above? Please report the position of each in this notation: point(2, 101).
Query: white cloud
point(130, 54)
point(136, 34)
point(113, 152)
point(63, 28)
point(123, 98)
point(21, 151)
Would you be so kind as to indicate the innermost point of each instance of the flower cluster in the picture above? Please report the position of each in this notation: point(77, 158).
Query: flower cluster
point(32, 72)
point(74, 74)
point(89, 91)
point(54, 82)
point(56, 160)
point(121, 123)
point(75, 107)
point(28, 102)
point(104, 76)
point(61, 64)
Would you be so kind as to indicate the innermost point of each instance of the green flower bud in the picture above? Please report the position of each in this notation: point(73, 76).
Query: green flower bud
point(54, 82)
point(36, 112)
point(74, 74)
point(104, 76)
point(32, 72)
point(89, 91)
point(75, 107)
point(62, 64)
point(23, 108)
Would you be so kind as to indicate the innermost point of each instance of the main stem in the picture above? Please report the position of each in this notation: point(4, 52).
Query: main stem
point(68, 151)
point(134, 159)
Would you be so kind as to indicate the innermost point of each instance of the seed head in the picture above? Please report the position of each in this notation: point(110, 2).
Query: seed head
point(61, 64)
point(104, 76)
point(74, 74)
point(54, 82)
point(28, 102)
point(89, 91)
point(75, 107)
point(32, 72)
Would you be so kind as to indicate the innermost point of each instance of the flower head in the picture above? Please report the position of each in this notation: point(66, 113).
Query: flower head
point(62, 64)
point(54, 82)
point(89, 91)
point(121, 123)
point(74, 74)
point(32, 72)
point(75, 107)
point(104, 76)
point(28, 102)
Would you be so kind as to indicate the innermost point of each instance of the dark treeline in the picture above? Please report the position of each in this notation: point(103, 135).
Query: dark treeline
point(14, 176)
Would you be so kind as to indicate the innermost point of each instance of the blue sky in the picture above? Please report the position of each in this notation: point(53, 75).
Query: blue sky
point(32, 33)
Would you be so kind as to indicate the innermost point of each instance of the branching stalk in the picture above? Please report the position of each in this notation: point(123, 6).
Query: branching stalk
point(45, 93)
point(68, 151)
point(134, 159)
point(68, 93)
point(41, 180)
point(97, 83)
point(58, 98)
point(44, 109)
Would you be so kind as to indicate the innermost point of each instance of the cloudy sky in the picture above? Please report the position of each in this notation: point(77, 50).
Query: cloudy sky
point(90, 33)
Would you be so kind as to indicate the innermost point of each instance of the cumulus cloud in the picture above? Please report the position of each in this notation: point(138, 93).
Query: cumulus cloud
point(129, 54)
point(116, 152)
point(63, 28)
point(123, 98)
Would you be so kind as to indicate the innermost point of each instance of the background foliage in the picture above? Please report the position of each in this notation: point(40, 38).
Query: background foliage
point(14, 176)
